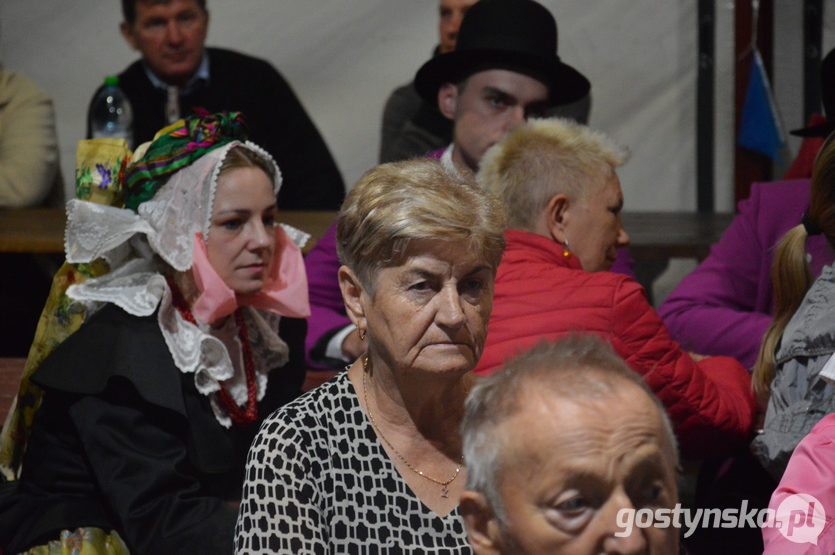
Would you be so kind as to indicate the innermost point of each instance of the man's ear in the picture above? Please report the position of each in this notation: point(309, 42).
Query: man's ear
point(127, 33)
point(555, 217)
point(448, 100)
point(352, 292)
point(481, 523)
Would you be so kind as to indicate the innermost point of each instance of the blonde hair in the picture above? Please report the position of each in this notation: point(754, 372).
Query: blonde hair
point(396, 203)
point(240, 156)
point(790, 273)
point(543, 158)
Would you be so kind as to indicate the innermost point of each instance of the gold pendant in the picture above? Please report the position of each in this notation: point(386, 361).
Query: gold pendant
point(445, 491)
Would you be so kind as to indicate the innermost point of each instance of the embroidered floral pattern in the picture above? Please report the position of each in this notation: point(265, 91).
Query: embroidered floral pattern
point(97, 160)
point(105, 176)
point(98, 167)
point(83, 541)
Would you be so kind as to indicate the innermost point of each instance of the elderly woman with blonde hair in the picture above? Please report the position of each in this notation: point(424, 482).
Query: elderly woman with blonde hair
point(558, 181)
point(372, 460)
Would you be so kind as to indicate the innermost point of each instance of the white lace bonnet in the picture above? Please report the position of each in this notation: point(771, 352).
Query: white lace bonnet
point(165, 225)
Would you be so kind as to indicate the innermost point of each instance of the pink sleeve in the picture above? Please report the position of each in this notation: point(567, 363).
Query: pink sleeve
point(811, 471)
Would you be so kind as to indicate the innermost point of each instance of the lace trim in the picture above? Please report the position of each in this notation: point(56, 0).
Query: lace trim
point(138, 245)
point(194, 349)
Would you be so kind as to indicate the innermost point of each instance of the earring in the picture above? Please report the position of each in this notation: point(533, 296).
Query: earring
point(565, 252)
point(361, 334)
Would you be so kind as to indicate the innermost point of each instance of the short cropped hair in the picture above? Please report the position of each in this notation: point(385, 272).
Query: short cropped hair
point(543, 158)
point(396, 203)
point(580, 366)
point(129, 7)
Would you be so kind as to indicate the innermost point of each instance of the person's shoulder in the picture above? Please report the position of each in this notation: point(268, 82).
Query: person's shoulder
point(133, 73)
point(14, 81)
point(405, 93)
point(114, 343)
point(771, 210)
point(18, 91)
point(314, 410)
point(623, 290)
point(811, 327)
point(779, 187)
point(112, 321)
point(825, 429)
point(610, 290)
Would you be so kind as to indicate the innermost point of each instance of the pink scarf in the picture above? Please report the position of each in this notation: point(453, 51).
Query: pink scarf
point(284, 291)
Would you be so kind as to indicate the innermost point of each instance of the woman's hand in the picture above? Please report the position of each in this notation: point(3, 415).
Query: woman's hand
point(353, 346)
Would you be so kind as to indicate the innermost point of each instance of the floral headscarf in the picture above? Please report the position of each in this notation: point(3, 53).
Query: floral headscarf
point(179, 146)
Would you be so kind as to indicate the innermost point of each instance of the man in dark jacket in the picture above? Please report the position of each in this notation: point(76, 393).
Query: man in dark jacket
point(177, 74)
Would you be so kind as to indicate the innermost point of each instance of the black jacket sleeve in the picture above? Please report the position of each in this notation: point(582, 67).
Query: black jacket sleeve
point(138, 455)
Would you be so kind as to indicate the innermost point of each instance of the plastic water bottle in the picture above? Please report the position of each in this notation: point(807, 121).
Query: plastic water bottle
point(111, 115)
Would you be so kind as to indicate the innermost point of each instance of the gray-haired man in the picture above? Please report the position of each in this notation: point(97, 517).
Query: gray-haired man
point(561, 447)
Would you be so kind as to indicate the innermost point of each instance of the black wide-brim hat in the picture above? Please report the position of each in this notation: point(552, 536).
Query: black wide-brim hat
point(518, 35)
point(828, 97)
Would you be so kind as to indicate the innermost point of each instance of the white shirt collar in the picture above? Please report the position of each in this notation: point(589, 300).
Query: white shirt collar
point(448, 164)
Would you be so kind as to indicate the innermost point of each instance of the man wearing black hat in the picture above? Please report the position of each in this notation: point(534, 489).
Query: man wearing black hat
point(505, 69)
point(413, 127)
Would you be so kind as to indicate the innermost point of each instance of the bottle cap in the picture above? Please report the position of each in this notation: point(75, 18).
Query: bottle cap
point(111, 80)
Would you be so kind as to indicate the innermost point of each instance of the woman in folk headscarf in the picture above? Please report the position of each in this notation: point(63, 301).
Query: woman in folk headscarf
point(148, 409)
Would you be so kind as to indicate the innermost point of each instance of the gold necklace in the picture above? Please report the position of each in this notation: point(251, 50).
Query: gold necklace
point(444, 484)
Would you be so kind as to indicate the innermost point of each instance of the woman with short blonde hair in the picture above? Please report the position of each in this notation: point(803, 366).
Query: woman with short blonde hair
point(563, 195)
point(371, 462)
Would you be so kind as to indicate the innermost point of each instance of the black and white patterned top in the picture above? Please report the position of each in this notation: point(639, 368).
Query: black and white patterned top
point(319, 481)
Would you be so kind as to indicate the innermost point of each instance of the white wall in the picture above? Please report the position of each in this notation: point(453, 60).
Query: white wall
point(344, 56)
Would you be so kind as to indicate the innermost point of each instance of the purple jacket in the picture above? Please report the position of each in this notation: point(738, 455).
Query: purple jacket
point(725, 305)
point(327, 310)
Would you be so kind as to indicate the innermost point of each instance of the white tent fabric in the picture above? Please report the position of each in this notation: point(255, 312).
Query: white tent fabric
point(343, 57)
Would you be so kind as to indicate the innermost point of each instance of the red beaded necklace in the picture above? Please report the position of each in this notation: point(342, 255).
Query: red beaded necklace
point(240, 416)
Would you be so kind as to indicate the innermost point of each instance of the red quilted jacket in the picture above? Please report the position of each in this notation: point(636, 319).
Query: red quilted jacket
point(541, 294)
